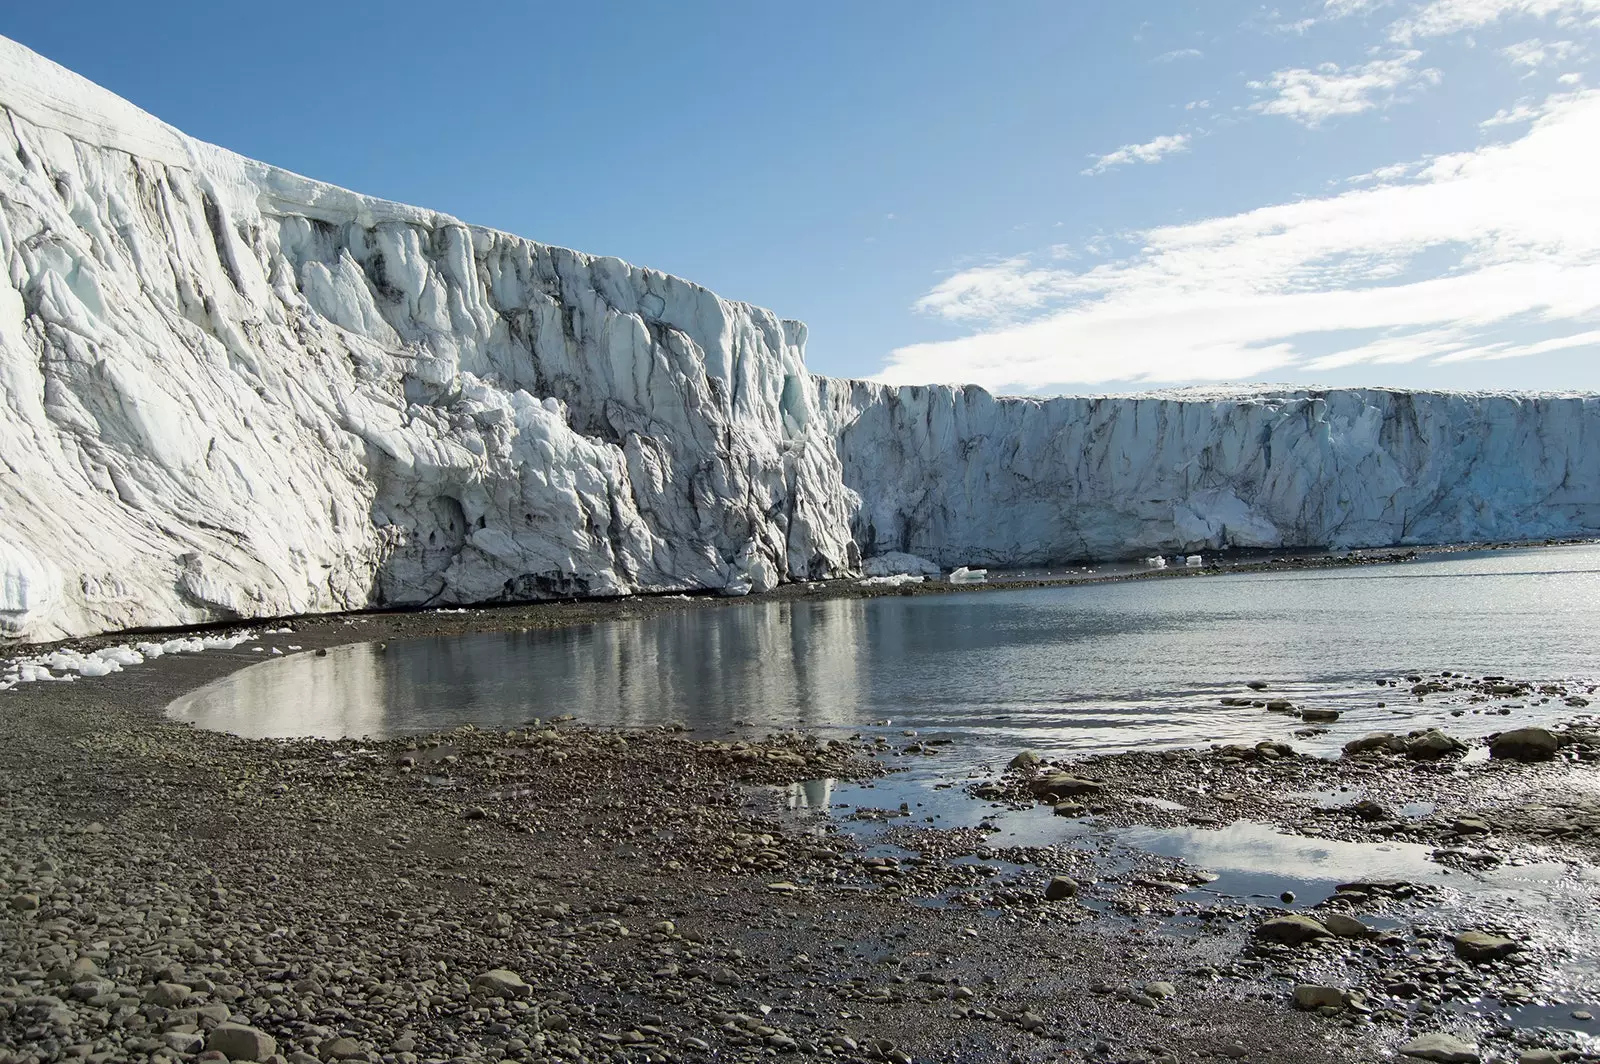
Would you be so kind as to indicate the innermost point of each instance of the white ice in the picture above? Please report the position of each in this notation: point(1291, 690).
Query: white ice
point(229, 392)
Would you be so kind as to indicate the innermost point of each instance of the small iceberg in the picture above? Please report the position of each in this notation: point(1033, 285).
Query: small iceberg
point(1157, 562)
point(963, 575)
point(1194, 561)
point(897, 580)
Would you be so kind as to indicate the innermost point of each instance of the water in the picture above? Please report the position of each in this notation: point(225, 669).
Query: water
point(1088, 667)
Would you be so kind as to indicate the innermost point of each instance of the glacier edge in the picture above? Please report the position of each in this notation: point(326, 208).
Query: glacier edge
point(228, 391)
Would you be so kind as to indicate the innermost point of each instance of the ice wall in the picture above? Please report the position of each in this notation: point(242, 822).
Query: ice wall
point(230, 391)
point(959, 476)
point(226, 390)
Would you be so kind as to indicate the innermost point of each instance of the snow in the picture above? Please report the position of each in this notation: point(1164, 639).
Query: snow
point(230, 392)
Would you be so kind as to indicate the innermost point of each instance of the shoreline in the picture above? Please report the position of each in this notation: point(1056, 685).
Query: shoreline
point(354, 899)
point(408, 621)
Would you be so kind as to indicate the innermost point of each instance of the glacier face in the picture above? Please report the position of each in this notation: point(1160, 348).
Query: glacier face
point(230, 391)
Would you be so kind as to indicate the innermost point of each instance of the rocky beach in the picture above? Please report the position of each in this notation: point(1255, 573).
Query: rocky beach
point(560, 891)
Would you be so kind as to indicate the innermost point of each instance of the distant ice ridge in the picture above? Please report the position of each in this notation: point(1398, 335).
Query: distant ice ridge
point(230, 392)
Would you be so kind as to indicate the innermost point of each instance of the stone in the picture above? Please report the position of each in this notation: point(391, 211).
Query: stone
point(1443, 1048)
point(501, 983)
point(1345, 926)
point(1292, 930)
point(24, 903)
point(236, 1041)
point(1026, 759)
point(1432, 745)
point(1161, 990)
point(168, 995)
point(1375, 743)
point(1060, 887)
point(1319, 716)
point(1311, 996)
point(1525, 744)
point(1539, 1056)
point(1063, 785)
point(1481, 946)
point(341, 1048)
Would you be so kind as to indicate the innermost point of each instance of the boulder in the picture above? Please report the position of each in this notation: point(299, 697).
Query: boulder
point(1481, 946)
point(1345, 926)
point(1060, 888)
point(1432, 745)
point(1062, 785)
point(238, 1042)
point(1292, 930)
point(1375, 743)
point(1310, 996)
point(1026, 759)
point(1319, 716)
point(501, 983)
point(1441, 1047)
point(1525, 744)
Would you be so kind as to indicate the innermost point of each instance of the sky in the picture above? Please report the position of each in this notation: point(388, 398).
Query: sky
point(1038, 196)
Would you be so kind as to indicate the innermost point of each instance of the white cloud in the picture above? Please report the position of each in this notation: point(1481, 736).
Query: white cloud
point(1440, 18)
point(1179, 53)
point(1512, 116)
point(1310, 97)
point(1197, 105)
point(1534, 53)
point(1152, 151)
point(1344, 8)
point(1510, 234)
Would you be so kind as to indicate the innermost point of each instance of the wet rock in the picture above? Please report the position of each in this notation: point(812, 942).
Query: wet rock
point(1345, 926)
point(1432, 745)
point(1062, 785)
point(1311, 996)
point(342, 1048)
point(1369, 810)
point(1539, 1056)
point(1481, 946)
point(1525, 744)
point(1060, 888)
point(1257, 685)
point(1026, 759)
point(1319, 716)
point(1441, 1047)
point(1292, 930)
point(1375, 743)
point(239, 1042)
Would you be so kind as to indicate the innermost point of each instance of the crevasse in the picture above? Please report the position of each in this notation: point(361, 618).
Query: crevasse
point(229, 391)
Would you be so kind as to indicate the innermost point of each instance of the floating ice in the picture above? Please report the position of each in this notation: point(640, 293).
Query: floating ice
point(1194, 561)
point(898, 580)
point(963, 575)
point(1156, 562)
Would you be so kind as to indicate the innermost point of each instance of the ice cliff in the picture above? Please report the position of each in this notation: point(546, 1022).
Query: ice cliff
point(230, 391)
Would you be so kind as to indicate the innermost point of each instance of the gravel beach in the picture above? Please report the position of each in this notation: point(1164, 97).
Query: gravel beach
point(555, 891)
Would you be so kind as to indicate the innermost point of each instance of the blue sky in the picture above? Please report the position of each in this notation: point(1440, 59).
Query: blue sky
point(1036, 196)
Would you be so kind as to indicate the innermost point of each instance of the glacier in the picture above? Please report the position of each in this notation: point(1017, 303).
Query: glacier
point(228, 392)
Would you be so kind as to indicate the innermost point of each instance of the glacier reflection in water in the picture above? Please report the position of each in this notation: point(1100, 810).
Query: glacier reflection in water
point(1068, 668)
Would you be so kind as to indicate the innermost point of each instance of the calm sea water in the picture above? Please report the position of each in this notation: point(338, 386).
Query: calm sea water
point(1087, 667)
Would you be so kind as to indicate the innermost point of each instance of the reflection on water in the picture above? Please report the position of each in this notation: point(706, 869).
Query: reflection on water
point(1070, 668)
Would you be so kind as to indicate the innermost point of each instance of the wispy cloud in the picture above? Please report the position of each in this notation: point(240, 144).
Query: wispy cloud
point(1179, 53)
point(1440, 18)
point(1534, 53)
point(1151, 151)
point(1311, 97)
point(1314, 284)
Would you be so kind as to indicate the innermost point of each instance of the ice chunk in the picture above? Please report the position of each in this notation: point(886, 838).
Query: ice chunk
point(1156, 562)
point(897, 580)
point(1194, 561)
point(963, 575)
